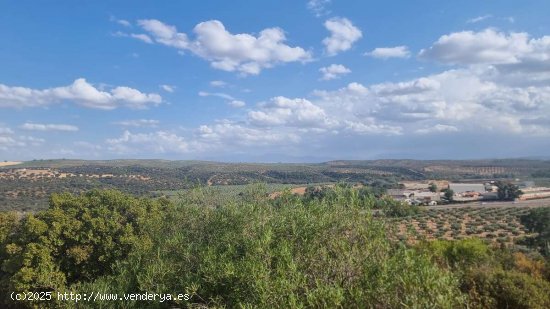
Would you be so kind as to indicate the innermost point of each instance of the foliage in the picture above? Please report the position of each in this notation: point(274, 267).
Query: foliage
point(448, 194)
point(325, 249)
point(507, 191)
point(493, 278)
point(538, 221)
point(497, 288)
point(305, 253)
point(79, 238)
point(463, 253)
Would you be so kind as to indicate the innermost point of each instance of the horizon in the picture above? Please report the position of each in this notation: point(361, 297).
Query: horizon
point(535, 158)
point(279, 81)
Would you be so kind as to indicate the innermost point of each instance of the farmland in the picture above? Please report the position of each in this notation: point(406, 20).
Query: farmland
point(500, 225)
point(26, 186)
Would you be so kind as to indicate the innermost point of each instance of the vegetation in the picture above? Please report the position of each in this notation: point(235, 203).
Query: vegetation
point(448, 194)
point(333, 247)
point(507, 191)
point(145, 177)
point(538, 221)
point(498, 225)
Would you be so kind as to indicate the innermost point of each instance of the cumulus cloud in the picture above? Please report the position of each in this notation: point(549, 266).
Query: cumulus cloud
point(79, 92)
point(390, 52)
point(488, 47)
point(466, 98)
point(402, 88)
point(137, 123)
point(243, 53)
point(48, 127)
point(282, 111)
point(334, 71)
point(159, 142)
point(342, 35)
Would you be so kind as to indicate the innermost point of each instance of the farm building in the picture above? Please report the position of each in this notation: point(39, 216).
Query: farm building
point(459, 188)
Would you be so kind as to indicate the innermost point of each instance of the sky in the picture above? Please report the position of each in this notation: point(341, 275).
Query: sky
point(274, 81)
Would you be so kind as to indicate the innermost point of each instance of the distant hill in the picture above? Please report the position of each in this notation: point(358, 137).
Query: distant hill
point(31, 188)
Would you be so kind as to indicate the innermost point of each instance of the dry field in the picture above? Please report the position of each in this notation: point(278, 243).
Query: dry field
point(9, 163)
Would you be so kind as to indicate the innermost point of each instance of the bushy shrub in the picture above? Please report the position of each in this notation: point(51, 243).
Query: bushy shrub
point(79, 238)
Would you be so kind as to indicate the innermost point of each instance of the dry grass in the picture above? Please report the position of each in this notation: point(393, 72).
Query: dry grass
point(9, 163)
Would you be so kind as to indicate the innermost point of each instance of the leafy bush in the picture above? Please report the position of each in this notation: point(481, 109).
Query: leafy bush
point(79, 238)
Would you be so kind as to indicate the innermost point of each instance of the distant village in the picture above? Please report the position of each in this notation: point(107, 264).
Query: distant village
point(431, 193)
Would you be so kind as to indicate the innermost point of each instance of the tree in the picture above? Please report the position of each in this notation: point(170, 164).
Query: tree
point(78, 239)
point(507, 191)
point(448, 194)
point(538, 221)
point(433, 187)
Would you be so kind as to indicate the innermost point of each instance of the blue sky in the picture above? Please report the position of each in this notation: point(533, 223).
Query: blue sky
point(274, 80)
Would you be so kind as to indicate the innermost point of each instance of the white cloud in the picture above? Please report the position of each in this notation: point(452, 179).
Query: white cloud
point(230, 100)
point(342, 35)
point(488, 47)
point(216, 94)
point(159, 142)
point(48, 127)
point(281, 111)
point(438, 128)
point(10, 141)
point(5, 130)
point(237, 103)
point(478, 19)
point(218, 83)
point(139, 36)
point(122, 22)
point(402, 88)
point(451, 101)
point(227, 132)
point(168, 88)
point(80, 92)
point(142, 37)
point(390, 52)
point(369, 126)
point(318, 7)
point(334, 71)
point(138, 123)
point(243, 53)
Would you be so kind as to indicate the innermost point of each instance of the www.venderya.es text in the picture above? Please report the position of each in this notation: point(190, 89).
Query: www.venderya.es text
point(95, 296)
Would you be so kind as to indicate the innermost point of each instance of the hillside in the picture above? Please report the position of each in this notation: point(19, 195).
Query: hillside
point(26, 186)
